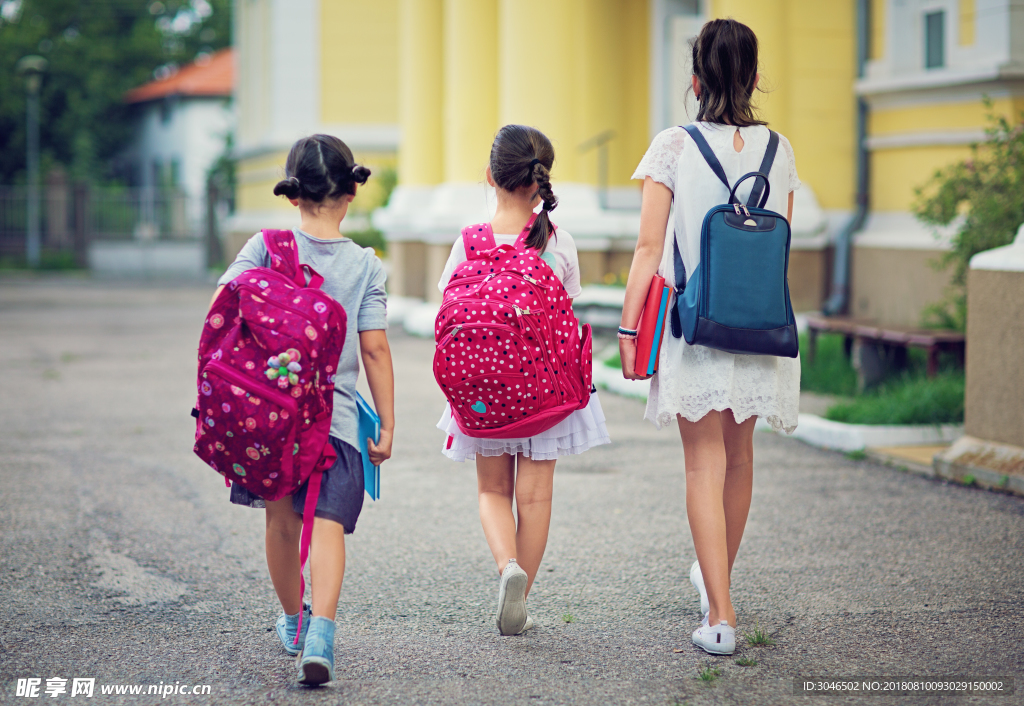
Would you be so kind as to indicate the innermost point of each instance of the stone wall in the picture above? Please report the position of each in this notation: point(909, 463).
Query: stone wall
point(995, 345)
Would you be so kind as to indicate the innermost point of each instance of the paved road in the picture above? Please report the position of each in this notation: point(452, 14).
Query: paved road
point(121, 559)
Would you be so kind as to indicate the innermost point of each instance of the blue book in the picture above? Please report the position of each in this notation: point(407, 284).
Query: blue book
point(369, 428)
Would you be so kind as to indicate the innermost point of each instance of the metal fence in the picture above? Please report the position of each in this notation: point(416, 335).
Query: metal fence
point(75, 215)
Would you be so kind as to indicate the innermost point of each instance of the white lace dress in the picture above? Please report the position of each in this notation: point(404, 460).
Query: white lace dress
point(693, 380)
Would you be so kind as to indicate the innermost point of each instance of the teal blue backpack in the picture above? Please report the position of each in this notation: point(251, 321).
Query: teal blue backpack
point(738, 297)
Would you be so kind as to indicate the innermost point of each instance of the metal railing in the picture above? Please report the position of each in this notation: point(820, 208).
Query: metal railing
point(75, 215)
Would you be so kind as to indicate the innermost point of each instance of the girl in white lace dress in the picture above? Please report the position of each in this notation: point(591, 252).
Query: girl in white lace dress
point(714, 396)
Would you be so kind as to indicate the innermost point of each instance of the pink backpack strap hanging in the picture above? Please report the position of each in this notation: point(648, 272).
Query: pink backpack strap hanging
point(284, 258)
point(477, 240)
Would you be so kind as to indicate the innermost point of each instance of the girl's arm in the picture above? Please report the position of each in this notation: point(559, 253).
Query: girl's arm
point(657, 202)
point(217, 292)
point(376, 355)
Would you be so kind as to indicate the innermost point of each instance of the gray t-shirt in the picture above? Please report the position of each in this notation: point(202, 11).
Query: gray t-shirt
point(354, 277)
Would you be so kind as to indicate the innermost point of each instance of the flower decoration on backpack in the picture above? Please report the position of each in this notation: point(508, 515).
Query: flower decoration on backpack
point(285, 368)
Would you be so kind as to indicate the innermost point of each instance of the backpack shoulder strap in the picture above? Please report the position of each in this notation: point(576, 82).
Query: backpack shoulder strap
point(707, 153)
point(478, 239)
point(680, 278)
point(284, 258)
point(284, 253)
point(764, 169)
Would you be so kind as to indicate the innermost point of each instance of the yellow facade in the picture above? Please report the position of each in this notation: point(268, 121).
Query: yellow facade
point(420, 87)
point(470, 87)
point(806, 49)
point(358, 61)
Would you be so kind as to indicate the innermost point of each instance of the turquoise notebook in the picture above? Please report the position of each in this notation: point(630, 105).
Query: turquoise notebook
point(369, 428)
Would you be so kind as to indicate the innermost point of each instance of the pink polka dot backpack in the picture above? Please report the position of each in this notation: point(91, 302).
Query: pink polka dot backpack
point(509, 357)
point(267, 360)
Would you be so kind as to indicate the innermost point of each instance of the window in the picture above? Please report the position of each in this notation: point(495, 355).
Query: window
point(935, 40)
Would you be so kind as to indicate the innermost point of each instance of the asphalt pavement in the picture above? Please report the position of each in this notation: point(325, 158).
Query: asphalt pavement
point(122, 561)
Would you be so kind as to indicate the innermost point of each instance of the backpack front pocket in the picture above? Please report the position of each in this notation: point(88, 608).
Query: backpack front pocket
point(246, 431)
point(489, 401)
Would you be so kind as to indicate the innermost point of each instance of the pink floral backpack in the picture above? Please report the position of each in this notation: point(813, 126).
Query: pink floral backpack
point(268, 357)
point(509, 355)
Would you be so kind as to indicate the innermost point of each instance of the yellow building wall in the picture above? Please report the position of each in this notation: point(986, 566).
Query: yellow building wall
point(585, 73)
point(420, 86)
point(470, 87)
point(256, 179)
point(808, 66)
point(359, 61)
point(967, 18)
point(897, 172)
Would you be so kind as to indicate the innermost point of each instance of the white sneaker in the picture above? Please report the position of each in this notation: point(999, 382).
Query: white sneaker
point(697, 579)
point(528, 625)
point(511, 615)
point(717, 640)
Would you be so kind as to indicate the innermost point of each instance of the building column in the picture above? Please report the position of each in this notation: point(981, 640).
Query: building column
point(537, 48)
point(470, 87)
point(420, 92)
point(421, 154)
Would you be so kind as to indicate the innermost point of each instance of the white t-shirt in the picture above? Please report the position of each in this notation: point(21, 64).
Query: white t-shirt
point(560, 254)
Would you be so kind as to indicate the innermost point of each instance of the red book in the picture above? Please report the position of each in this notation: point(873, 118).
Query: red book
point(651, 329)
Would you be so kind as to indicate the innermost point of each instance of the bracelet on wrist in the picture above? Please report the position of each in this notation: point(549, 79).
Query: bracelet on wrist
point(627, 331)
point(627, 336)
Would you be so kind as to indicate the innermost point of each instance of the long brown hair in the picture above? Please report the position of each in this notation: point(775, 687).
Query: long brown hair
point(521, 156)
point(725, 64)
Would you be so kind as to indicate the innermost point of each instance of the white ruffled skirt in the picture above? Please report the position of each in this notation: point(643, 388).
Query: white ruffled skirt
point(581, 430)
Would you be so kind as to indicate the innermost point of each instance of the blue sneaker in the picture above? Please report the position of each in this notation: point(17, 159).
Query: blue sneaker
point(317, 664)
point(286, 626)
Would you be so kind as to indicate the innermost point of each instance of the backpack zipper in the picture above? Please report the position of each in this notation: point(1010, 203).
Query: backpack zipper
point(248, 384)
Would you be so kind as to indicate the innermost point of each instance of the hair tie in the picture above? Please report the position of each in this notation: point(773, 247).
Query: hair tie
point(533, 162)
point(294, 180)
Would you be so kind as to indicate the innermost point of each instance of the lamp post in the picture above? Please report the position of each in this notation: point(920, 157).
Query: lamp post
point(32, 68)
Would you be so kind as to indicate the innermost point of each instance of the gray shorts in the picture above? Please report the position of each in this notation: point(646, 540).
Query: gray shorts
point(341, 490)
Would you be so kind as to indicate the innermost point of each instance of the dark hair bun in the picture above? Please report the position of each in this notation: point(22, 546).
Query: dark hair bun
point(321, 167)
point(289, 188)
point(360, 174)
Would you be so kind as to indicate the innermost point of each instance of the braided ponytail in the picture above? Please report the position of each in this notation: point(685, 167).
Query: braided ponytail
point(541, 229)
point(523, 156)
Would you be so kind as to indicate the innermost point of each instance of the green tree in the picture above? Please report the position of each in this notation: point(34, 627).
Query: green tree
point(987, 191)
point(97, 50)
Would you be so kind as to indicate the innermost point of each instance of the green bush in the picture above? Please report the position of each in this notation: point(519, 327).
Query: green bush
point(909, 399)
point(370, 239)
point(986, 191)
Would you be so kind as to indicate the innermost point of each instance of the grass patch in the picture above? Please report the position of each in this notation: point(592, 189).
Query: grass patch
point(856, 455)
point(968, 479)
point(709, 674)
point(909, 399)
point(614, 362)
point(746, 662)
point(831, 372)
point(568, 618)
point(759, 638)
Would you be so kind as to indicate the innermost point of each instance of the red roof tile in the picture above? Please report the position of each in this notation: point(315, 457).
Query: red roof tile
point(213, 76)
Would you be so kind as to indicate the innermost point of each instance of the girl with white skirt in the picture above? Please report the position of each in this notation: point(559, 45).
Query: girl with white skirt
point(715, 397)
point(519, 171)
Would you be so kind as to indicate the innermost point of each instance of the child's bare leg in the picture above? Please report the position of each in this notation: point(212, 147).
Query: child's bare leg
point(739, 478)
point(704, 452)
point(284, 527)
point(495, 477)
point(534, 485)
point(326, 566)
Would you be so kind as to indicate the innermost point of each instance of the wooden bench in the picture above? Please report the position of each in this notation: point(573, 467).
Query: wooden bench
point(896, 339)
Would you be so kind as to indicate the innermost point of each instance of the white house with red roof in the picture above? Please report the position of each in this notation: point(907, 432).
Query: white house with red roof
point(184, 120)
